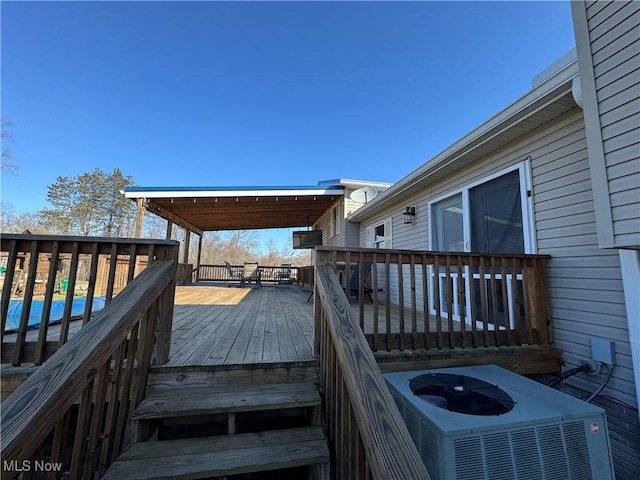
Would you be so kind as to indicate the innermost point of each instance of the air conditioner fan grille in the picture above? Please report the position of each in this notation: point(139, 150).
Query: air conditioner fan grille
point(461, 393)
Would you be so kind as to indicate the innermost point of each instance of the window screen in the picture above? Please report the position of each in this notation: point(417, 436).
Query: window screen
point(496, 216)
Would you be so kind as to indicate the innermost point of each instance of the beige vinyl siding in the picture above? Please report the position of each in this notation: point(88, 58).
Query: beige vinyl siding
point(351, 230)
point(352, 234)
point(324, 224)
point(585, 282)
point(585, 285)
point(614, 37)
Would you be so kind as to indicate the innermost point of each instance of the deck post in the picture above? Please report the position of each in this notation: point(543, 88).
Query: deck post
point(139, 217)
point(321, 258)
point(169, 229)
point(165, 314)
point(187, 242)
point(199, 259)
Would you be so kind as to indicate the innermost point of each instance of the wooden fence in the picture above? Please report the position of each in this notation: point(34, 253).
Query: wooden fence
point(122, 260)
point(119, 276)
point(73, 412)
point(367, 436)
point(410, 300)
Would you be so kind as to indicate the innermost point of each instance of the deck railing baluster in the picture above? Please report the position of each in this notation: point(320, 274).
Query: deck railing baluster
point(387, 300)
point(414, 310)
point(68, 301)
point(401, 305)
point(450, 298)
point(8, 285)
point(52, 284)
point(436, 299)
point(91, 286)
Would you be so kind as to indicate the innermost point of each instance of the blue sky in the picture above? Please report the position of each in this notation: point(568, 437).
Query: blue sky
point(258, 93)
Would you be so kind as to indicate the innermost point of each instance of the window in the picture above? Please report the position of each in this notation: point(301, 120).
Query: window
point(496, 215)
point(335, 221)
point(379, 236)
point(490, 216)
point(448, 225)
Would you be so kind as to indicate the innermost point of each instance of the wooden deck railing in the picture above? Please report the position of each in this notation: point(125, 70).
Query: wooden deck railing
point(367, 436)
point(411, 300)
point(269, 274)
point(42, 269)
point(306, 275)
point(71, 415)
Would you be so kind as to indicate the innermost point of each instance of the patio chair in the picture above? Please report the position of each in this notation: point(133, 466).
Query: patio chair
point(252, 273)
point(284, 273)
point(354, 283)
point(232, 274)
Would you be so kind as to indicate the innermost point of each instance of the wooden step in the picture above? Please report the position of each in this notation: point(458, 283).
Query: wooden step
point(226, 399)
point(222, 455)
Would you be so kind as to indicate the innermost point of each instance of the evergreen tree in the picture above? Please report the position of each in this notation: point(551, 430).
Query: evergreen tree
point(90, 205)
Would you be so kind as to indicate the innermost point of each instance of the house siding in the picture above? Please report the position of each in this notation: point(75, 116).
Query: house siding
point(352, 230)
point(608, 34)
point(324, 224)
point(585, 282)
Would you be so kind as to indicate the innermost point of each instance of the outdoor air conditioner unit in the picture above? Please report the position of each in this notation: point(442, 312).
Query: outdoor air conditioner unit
point(487, 422)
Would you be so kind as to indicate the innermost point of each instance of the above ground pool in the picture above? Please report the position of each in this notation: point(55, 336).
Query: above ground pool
point(57, 311)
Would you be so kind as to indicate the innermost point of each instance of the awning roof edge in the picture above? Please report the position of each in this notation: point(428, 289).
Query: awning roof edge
point(187, 192)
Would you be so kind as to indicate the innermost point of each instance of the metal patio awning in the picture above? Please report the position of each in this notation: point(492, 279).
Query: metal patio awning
point(202, 209)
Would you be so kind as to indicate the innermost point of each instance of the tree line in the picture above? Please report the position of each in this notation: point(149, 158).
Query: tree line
point(90, 204)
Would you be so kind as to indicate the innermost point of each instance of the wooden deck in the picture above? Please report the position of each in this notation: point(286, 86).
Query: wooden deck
point(218, 325)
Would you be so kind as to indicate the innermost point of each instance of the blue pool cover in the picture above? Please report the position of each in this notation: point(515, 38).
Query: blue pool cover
point(57, 311)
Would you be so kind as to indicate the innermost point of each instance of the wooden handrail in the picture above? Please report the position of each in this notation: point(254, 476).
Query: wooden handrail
point(122, 337)
point(368, 252)
point(356, 395)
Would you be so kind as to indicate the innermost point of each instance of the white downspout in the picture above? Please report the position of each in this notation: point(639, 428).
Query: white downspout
point(630, 267)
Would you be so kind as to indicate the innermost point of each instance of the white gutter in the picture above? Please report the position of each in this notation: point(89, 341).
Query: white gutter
point(357, 183)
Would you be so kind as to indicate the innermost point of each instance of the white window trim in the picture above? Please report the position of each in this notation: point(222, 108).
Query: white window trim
point(334, 221)
point(526, 203)
point(388, 234)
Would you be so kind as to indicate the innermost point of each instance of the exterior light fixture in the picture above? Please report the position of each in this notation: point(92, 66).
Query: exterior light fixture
point(409, 214)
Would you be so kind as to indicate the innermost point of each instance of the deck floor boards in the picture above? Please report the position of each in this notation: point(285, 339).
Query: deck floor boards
point(218, 325)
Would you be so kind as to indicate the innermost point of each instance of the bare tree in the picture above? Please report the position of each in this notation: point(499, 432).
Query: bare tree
point(9, 162)
point(12, 221)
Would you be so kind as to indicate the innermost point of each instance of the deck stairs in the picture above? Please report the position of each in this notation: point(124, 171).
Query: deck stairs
point(253, 422)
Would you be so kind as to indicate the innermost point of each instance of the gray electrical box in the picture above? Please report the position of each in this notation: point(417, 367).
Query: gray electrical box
point(603, 350)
